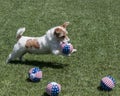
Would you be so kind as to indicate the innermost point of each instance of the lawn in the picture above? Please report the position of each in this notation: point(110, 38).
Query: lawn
point(94, 31)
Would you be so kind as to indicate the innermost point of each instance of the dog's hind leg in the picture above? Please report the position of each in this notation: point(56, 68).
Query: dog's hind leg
point(16, 53)
point(11, 57)
point(21, 56)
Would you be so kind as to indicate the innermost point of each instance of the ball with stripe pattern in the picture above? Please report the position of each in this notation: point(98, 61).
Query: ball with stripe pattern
point(107, 83)
point(53, 89)
point(35, 74)
point(66, 48)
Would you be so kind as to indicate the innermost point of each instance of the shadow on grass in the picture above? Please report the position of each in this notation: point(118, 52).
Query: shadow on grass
point(100, 89)
point(40, 64)
point(45, 94)
point(28, 80)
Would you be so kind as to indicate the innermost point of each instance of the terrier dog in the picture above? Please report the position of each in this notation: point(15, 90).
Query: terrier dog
point(48, 43)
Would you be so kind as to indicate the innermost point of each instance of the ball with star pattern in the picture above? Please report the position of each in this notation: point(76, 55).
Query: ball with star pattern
point(107, 83)
point(66, 48)
point(35, 74)
point(53, 89)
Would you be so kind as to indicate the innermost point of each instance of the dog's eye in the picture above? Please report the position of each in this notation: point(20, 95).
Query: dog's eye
point(62, 36)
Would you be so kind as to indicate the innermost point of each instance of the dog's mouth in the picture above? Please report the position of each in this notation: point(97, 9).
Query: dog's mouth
point(65, 39)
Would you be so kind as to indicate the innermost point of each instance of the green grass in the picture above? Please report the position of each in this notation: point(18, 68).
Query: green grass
point(94, 32)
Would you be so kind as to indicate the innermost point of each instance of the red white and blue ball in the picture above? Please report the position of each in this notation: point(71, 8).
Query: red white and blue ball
point(35, 74)
point(107, 83)
point(53, 89)
point(66, 48)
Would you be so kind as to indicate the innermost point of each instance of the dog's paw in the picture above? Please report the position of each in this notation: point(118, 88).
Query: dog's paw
point(74, 50)
point(7, 61)
point(69, 55)
point(56, 52)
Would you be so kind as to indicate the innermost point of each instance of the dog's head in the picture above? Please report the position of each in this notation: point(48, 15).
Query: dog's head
point(60, 32)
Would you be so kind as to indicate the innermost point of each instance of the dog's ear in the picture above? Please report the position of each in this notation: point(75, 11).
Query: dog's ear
point(65, 24)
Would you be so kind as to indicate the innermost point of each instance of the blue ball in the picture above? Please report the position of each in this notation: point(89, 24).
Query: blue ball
point(35, 74)
point(107, 83)
point(66, 48)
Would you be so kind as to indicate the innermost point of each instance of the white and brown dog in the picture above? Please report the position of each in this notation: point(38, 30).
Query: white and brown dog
point(48, 43)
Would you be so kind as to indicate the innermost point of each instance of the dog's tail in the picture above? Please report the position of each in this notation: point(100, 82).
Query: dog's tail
point(20, 32)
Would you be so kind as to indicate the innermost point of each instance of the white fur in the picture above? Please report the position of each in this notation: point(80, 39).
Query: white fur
point(20, 31)
point(48, 44)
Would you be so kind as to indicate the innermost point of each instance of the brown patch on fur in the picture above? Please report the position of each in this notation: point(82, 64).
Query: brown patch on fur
point(59, 32)
point(32, 43)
